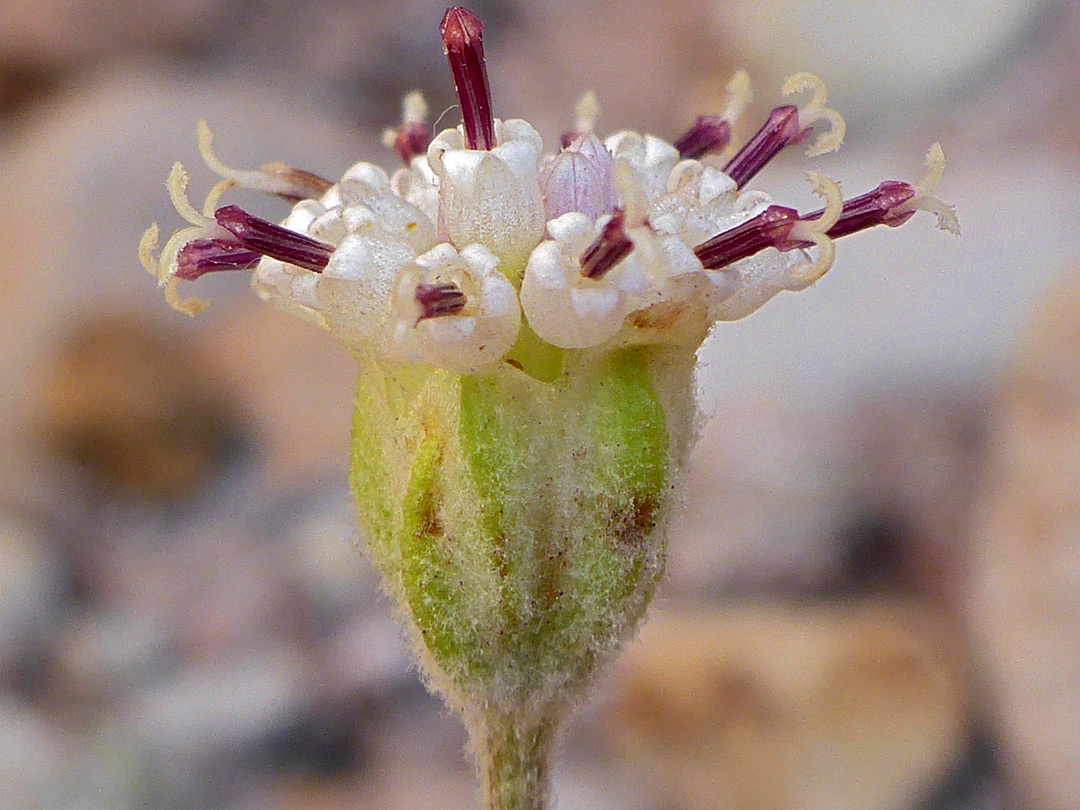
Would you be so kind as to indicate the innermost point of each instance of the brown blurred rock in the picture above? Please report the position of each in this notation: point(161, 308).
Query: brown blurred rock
point(134, 408)
point(921, 450)
point(23, 83)
point(88, 172)
point(645, 61)
point(844, 707)
point(62, 31)
point(1024, 599)
point(293, 383)
point(767, 493)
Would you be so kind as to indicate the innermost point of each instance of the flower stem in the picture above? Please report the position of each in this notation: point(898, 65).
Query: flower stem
point(513, 758)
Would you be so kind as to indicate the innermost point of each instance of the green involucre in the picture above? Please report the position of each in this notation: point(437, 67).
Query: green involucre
point(526, 526)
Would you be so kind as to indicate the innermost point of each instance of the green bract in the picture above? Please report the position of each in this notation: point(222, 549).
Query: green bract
point(519, 523)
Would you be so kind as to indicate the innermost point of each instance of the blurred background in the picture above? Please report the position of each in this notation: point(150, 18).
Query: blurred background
point(874, 590)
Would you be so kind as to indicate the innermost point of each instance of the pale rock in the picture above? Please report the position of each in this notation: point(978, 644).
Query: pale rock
point(854, 706)
point(1024, 599)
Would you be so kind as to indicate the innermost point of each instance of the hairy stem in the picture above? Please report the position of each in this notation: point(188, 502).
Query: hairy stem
point(513, 758)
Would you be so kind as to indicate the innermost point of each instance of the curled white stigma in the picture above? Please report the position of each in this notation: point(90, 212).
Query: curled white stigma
point(925, 201)
point(815, 230)
point(739, 96)
point(815, 110)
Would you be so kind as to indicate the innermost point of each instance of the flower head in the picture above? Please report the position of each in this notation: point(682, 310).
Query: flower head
point(598, 239)
point(526, 324)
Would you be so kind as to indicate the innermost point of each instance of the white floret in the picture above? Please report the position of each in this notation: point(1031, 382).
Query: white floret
point(579, 178)
point(418, 185)
point(492, 198)
point(567, 309)
point(471, 341)
point(369, 201)
point(303, 214)
point(651, 158)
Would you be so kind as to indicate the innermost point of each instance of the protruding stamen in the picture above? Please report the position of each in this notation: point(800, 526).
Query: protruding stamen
point(463, 41)
point(201, 256)
point(296, 184)
point(781, 228)
point(177, 186)
point(147, 245)
point(770, 228)
point(630, 193)
point(438, 300)
point(710, 133)
point(925, 201)
point(608, 249)
point(894, 202)
point(274, 241)
point(877, 207)
point(781, 129)
point(158, 268)
point(413, 136)
point(786, 126)
point(276, 178)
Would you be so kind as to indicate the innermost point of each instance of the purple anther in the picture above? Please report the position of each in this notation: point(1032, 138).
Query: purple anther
point(438, 300)
point(607, 250)
point(770, 228)
point(877, 207)
point(201, 256)
point(710, 133)
point(412, 139)
point(274, 241)
point(780, 130)
point(463, 41)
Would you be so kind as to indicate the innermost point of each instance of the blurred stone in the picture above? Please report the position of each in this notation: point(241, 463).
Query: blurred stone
point(321, 549)
point(134, 408)
point(879, 58)
point(22, 84)
point(105, 656)
point(89, 170)
point(210, 708)
point(920, 456)
point(793, 497)
point(767, 497)
point(859, 705)
point(294, 386)
point(29, 589)
point(64, 31)
point(368, 655)
point(644, 60)
point(31, 754)
point(1043, 77)
point(1024, 598)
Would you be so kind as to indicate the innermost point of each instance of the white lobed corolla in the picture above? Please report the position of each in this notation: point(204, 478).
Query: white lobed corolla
point(509, 224)
point(466, 340)
point(570, 310)
point(492, 197)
